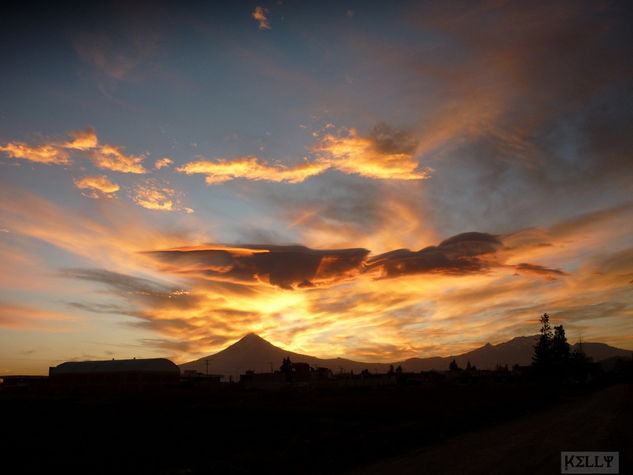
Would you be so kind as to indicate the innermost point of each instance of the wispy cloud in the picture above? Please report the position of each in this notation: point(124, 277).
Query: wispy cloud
point(459, 293)
point(260, 15)
point(550, 274)
point(20, 317)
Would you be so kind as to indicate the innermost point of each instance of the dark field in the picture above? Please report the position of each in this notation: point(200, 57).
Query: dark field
point(293, 430)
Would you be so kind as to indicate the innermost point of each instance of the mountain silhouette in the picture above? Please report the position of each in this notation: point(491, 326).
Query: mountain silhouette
point(254, 353)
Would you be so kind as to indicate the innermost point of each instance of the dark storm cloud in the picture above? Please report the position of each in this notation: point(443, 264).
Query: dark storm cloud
point(282, 266)
point(301, 267)
point(462, 254)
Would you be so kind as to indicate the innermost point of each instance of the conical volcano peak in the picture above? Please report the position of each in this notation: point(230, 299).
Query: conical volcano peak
point(251, 338)
point(250, 342)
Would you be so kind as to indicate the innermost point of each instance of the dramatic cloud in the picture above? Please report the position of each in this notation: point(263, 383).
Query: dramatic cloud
point(290, 267)
point(153, 194)
point(283, 266)
point(96, 186)
point(260, 15)
point(459, 255)
point(466, 286)
point(518, 113)
point(111, 237)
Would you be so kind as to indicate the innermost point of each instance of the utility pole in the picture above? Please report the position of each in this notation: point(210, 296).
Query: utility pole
point(207, 362)
point(580, 344)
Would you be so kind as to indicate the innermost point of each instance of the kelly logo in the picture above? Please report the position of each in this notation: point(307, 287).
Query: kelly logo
point(589, 462)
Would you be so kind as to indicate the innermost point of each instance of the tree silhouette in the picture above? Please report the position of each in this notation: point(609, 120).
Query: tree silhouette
point(552, 356)
point(453, 366)
point(560, 347)
point(542, 357)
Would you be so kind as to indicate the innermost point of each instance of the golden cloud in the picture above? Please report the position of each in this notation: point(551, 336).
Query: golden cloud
point(154, 195)
point(163, 162)
point(108, 156)
point(82, 140)
point(441, 299)
point(251, 168)
point(112, 157)
point(384, 154)
point(97, 186)
point(48, 154)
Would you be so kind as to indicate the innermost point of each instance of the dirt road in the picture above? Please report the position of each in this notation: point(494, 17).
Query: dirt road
point(531, 444)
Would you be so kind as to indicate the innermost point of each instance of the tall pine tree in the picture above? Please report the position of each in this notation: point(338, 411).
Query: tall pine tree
point(542, 357)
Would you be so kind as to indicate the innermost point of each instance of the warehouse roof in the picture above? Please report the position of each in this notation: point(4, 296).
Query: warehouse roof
point(153, 365)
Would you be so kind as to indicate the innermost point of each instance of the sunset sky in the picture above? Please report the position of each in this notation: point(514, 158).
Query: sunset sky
point(370, 180)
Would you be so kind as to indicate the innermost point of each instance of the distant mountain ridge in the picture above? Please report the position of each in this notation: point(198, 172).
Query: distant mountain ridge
point(254, 353)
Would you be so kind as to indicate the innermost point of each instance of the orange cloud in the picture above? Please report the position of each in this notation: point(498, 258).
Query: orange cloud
point(108, 156)
point(97, 186)
point(112, 237)
point(111, 157)
point(163, 162)
point(442, 299)
point(82, 140)
point(48, 154)
point(153, 195)
point(222, 170)
point(384, 154)
point(260, 15)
